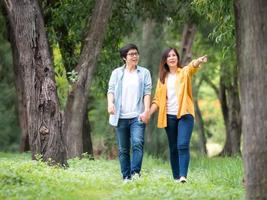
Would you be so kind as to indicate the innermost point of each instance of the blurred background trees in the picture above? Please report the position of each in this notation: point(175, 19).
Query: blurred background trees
point(194, 27)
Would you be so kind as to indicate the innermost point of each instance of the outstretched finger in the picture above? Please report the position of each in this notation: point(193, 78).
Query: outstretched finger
point(204, 58)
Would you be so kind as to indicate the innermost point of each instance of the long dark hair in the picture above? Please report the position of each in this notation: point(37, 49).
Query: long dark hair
point(163, 67)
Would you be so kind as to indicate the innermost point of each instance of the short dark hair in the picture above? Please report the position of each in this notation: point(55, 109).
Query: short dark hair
point(124, 50)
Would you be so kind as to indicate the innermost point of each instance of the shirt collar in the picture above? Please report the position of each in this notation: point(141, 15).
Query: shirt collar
point(138, 68)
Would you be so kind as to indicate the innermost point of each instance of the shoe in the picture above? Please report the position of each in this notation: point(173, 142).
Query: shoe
point(126, 180)
point(182, 179)
point(135, 177)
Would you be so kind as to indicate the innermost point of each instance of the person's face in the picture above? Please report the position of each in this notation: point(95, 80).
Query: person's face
point(172, 59)
point(132, 57)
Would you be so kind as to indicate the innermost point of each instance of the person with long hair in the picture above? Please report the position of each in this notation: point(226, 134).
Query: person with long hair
point(128, 105)
point(174, 101)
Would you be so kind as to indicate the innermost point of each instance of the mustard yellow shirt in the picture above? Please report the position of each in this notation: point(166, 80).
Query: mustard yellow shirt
point(183, 88)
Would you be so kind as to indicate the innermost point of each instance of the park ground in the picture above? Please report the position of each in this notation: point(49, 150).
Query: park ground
point(209, 178)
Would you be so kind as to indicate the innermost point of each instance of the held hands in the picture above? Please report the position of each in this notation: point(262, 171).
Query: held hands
point(145, 116)
point(111, 109)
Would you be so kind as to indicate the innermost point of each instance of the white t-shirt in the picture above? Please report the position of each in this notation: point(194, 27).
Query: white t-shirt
point(172, 99)
point(130, 88)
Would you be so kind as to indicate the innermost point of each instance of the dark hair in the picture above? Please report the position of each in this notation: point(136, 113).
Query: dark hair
point(163, 67)
point(124, 50)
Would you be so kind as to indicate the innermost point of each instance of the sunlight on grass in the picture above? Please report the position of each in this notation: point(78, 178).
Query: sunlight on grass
point(213, 148)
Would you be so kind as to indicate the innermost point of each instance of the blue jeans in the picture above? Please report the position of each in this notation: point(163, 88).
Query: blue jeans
point(179, 133)
point(130, 132)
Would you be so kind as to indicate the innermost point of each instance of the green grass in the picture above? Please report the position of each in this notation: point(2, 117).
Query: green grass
point(213, 178)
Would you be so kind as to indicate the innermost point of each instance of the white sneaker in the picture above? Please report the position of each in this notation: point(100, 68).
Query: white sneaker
point(182, 179)
point(136, 177)
point(126, 180)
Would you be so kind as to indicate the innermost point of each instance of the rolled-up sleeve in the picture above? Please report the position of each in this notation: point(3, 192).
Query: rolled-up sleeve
point(112, 82)
point(148, 83)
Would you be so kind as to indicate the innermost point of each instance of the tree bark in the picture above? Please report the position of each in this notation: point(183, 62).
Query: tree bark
point(77, 99)
point(188, 36)
point(251, 26)
point(234, 123)
point(225, 111)
point(34, 72)
point(24, 135)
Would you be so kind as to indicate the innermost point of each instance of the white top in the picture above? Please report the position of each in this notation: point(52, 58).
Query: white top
point(130, 86)
point(172, 98)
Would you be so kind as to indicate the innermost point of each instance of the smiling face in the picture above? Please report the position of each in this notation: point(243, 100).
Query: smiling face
point(172, 59)
point(132, 57)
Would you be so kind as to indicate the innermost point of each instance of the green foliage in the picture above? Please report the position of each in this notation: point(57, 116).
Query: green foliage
point(221, 14)
point(61, 77)
point(21, 178)
point(66, 23)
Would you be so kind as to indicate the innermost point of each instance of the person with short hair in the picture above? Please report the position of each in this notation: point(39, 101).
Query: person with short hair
point(128, 95)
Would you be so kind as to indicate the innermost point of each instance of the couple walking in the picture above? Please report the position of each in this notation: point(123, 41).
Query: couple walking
point(130, 108)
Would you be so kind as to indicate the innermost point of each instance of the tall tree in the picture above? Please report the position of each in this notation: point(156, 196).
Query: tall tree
point(35, 77)
point(252, 50)
point(35, 80)
point(78, 97)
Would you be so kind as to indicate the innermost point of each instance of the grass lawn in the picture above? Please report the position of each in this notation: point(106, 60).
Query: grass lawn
point(209, 178)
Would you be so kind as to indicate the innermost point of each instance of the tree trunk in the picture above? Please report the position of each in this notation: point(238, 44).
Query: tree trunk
point(201, 132)
point(225, 111)
point(230, 105)
point(188, 36)
point(69, 60)
point(251, 41)
point(77, 100)
point(34, 72)
point(200, 125)
point(199, 118)
point(24, 135)
point(234, 123)
point(148, 38)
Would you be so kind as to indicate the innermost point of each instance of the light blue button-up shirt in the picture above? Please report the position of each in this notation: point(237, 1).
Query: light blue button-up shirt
point(115, 87)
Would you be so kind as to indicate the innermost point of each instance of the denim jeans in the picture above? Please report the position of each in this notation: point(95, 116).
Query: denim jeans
point(130, 133)
point(179, 133)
